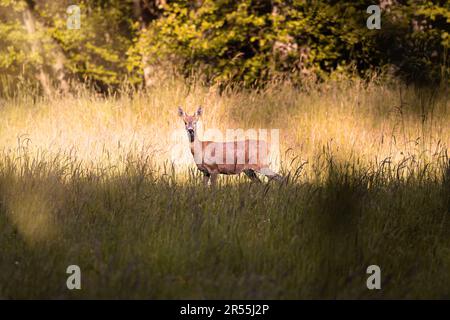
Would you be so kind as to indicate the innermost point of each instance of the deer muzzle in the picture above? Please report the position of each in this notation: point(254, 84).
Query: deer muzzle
point(191, 134)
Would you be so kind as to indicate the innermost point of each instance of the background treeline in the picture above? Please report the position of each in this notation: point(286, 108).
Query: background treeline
point(248, 42)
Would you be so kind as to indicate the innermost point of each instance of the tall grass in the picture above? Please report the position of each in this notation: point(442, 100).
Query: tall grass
point(93, 181)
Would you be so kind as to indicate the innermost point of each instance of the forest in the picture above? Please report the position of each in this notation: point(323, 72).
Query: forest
point(248, 42)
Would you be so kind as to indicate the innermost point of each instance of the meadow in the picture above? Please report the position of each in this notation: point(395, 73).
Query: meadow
point(92, 180)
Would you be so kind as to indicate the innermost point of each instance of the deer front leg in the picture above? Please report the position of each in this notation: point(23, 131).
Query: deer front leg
point(206, 177)
point(214, 179)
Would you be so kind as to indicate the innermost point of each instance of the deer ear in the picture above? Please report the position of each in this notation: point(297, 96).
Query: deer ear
point(180, 112)
point(199, 111)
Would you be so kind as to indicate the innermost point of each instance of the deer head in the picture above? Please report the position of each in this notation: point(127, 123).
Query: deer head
point(190, 122)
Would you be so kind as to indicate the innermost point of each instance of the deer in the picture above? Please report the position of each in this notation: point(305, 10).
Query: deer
point(227, 158)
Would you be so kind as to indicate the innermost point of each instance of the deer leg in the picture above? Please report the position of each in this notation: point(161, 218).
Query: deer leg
point(206, 177)
point(214, 179)
point(252, 175)
point(271, 174)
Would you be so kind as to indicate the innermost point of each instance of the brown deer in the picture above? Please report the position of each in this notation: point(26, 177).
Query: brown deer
point(233, 157)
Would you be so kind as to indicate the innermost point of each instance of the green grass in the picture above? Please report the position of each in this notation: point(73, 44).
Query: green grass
point(139, 235)
point(375, 190)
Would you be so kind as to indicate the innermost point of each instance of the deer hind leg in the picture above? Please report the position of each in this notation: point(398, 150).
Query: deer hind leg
point(271, 174)
point(252, 175)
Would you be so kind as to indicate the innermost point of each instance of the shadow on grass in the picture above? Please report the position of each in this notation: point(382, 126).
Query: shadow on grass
point(139, 234)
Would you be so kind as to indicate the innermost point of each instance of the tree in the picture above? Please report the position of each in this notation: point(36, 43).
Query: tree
point(247, 42)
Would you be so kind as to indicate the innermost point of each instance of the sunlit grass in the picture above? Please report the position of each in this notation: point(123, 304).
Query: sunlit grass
point(367, 121)
point(90, 180)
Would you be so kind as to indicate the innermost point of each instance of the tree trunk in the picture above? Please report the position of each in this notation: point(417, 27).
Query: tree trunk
point(36, 48)
point(57, 55)
point(60, 71)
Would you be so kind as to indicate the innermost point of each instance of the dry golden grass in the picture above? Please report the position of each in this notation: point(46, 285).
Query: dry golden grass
point(90, 180)
point(351, 119)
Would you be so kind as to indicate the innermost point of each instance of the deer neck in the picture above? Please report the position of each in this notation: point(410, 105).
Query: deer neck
point(195, 144)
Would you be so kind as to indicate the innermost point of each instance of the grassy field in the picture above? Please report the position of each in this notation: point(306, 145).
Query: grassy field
point(94, 181)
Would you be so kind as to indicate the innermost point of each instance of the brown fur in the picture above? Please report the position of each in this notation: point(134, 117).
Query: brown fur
point(211, 165)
